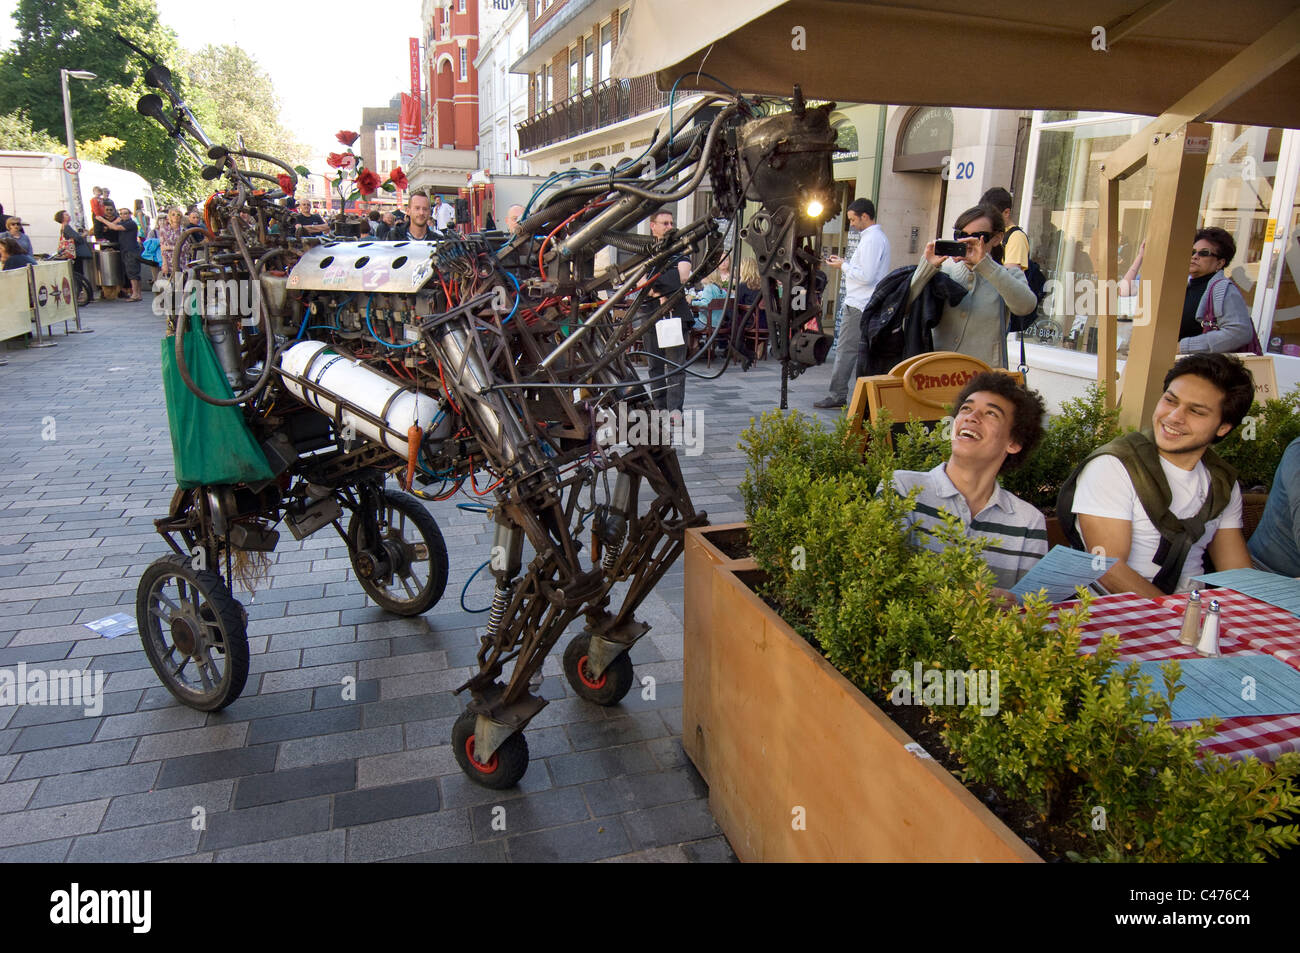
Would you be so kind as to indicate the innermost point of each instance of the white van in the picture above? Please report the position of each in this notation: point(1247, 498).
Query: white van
point(34, 186)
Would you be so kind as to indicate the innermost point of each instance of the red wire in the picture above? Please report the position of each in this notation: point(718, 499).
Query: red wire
point(447, 392)
point(474, 483)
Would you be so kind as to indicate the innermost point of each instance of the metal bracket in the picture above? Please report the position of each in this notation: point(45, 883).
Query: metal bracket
point(495, 725)
point(604, 648)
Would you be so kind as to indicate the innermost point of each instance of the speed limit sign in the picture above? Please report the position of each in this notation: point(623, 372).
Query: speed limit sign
point(71, 166)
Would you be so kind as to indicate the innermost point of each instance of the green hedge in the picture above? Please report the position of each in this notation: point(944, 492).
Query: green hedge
point(1070, 736)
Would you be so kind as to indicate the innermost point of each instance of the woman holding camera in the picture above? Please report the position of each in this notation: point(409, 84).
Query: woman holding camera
point(977, 325)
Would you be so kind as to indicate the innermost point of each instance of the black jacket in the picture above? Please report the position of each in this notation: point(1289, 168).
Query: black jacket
point(889, 334)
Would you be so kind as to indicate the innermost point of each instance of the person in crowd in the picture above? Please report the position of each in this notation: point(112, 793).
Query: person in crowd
point(1013, 250)
point(12, 255)
point(997, 424)
point(71, 240)
point(168, 232)
point(1216, 318)
point(97, 213)
point(106, 218)
point(1159, 499)
point(750, 291)
point(128, 244)
point(1275, 544)
point(384, 230)
point(668, 393)
point(870, 263)
point(372, 223)
point(714, 288)
point(513, 216)
point(420, 227)
point(444, 214)
point(308, 221)
point(142, 221)
point(14, 226)
point(977, 324)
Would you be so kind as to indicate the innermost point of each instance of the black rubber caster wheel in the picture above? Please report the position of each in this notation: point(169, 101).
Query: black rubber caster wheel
point(193, 632)
point(610, 687)
point(507, 764)
point(410, 574)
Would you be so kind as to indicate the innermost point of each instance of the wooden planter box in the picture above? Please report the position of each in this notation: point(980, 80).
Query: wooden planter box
point(780, 735)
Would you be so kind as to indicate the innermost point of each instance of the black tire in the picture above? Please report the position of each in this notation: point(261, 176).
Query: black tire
point(422, 554)
point(507, 764)
point(190, 613)
point(612, 685)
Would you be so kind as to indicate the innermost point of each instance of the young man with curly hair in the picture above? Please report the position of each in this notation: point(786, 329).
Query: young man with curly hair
point(996, 425)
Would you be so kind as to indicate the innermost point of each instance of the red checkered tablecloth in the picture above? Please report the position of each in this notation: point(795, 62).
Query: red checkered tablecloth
point(1148, 630)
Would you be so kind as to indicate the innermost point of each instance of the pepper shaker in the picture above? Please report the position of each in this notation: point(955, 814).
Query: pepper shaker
point(1191, 629)
point(1209, 644)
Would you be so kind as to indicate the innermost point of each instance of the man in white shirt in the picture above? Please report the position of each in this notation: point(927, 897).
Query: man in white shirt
point(868, 265)
point(443, 214)
point(1160, 499)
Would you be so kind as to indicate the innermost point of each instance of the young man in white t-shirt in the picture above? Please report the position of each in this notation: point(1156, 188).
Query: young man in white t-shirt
point(1206, 396)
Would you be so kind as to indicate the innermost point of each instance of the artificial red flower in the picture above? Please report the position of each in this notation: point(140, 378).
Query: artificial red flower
point(286, 183)
point(398, 178)
point(347, 137)
point(367, 182)
point(335, 160)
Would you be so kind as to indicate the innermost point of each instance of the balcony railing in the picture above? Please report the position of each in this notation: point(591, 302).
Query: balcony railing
point(612, 101)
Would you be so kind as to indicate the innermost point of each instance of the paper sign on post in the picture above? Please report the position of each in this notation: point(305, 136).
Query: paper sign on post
point(669, 332)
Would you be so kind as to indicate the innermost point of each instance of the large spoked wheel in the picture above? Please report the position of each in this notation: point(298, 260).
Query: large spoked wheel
point(407, 572)
point(507, 764)
point(193, 631)
point(612, 684)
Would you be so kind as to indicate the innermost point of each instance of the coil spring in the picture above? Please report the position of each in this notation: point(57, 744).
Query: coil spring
point(613, 550)
point(500, 599)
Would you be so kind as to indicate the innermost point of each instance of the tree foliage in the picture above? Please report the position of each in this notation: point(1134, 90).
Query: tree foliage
point(227, 90)
point(79, 34)
point(17, 135)
point(237, 97)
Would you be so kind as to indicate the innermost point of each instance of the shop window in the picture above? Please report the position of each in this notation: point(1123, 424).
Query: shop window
point(1237, 195)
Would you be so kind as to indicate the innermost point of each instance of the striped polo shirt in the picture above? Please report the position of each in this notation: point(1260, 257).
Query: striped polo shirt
point(1016, 532)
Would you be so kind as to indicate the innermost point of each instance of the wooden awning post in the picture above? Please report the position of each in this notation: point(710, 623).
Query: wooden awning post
point(1108, 225)
point(1177, 162)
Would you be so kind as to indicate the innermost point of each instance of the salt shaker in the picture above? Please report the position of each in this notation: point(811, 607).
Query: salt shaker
point(1209, 644)
point(1191, 619)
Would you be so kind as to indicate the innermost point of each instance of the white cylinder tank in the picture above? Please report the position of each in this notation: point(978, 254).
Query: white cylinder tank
point(361, 388)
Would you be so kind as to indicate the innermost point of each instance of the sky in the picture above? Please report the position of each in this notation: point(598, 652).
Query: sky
point(324, 64)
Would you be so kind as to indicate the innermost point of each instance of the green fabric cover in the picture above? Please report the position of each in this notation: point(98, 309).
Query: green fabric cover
point(211, 445)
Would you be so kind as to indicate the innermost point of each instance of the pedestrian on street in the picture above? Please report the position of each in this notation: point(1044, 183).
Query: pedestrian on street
point(667, 394)
point(128, 245)
point(870, 263)
point(14, 226)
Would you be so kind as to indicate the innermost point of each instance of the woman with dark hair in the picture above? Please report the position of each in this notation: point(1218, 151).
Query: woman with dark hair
point(977, 325)
point(1216, 318)
point(72, 240)
point(12, 255)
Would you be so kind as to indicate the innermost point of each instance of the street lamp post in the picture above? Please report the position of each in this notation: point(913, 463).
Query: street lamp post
point(78, 214)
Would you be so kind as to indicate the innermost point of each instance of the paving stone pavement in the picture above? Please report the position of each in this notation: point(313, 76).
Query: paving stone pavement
point(292, 771)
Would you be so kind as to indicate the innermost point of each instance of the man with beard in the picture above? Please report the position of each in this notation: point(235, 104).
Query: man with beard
point(417, 228)
point(1159, 499)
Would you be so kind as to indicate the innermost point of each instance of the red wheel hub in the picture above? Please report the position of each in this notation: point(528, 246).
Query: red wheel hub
point(586, 679)
point(487, 767)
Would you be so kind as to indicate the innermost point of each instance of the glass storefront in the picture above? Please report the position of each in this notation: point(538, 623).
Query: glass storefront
point(1250, 190)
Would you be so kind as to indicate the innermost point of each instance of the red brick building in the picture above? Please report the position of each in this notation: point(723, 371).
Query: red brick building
point(452, 81)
